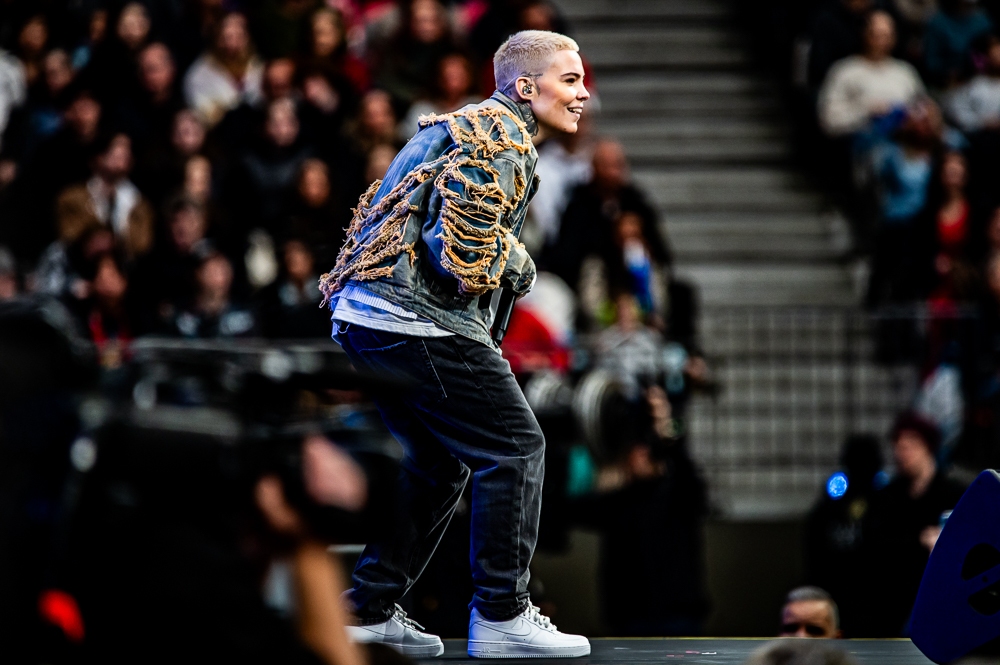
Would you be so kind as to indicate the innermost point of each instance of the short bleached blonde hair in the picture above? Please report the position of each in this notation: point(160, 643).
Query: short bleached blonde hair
point(527, 53)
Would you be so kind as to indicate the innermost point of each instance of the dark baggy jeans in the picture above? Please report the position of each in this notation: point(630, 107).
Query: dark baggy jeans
point(466, 412)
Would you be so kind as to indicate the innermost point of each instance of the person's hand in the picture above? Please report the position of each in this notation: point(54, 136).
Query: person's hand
point(331, 476)
point(929, 537)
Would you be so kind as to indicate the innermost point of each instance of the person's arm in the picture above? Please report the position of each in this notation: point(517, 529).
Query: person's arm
point(839, 113)
point(470, 236)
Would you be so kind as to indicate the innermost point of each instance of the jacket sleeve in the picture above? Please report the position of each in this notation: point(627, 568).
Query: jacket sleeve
point(471, 233)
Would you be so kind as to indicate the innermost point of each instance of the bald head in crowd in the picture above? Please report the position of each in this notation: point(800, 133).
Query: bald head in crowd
point(810, 612)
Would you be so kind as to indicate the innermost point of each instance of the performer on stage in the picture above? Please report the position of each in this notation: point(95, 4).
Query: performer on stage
point(414, 295)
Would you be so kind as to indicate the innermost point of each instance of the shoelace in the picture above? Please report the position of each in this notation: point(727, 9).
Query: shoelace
point(401, 617)
point(534, 614)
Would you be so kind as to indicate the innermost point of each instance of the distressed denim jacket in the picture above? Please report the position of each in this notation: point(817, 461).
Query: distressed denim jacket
point(438, 235)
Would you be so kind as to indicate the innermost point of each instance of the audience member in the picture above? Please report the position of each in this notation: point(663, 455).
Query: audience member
point(809, 612)
point(453, 88)
point(112, 69)
point(952, 217)
point(160, 170)
point(375, 124)
point(104, 315)
point(13, 92)
point(408, 66)
point(289, 307)
point(42, 114)
point(113, 199)
point(227, 74)
point(149, 116)
point(328, 51)
point(951, 31)
point(863, 87)
point(320, 212)
point(564, 163)
point(97, 31)
point(32, 39)
point(906, 518)
point(799, 652)
point(836, 553)
point(975, 106)
point(211, 313)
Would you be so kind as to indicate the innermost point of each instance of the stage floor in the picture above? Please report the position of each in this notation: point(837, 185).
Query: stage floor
point(719, 651)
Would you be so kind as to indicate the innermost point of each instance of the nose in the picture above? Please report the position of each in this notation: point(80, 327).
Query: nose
point(584, 94)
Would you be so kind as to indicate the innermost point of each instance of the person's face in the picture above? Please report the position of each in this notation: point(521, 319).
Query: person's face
point(455, 80)
point(558, 101)
point(808, 618)
point(215, 276)
point(325, 34)
point(314, 185)
point(156, 69)
point(377, 117)
point(198, 178)
point(188, 135)
point(117, 161)
point(610, 165)
point(282, 126)
point(911, 454)
point(953, 173)
point(234, 42)
point(428, 22)
point(880, 36)
point(109, 283)
point(8, 286)
point(279, 78)
point(58, 72)
point(298, 261)
point(33, 36)
point(379, 161)
point(187, 228)
point(83, 115)
point(857, 6)
point(133, 25)
point(536, 17)
point(98, 25)
point(629, 227)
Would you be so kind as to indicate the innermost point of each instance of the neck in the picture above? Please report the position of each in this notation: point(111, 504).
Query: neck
point(920, 483)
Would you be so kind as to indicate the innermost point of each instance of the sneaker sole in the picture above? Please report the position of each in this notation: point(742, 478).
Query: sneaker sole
point(430, 651)
point(481, 649)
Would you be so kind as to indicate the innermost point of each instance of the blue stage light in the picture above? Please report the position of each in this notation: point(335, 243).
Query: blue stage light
point(836, 487)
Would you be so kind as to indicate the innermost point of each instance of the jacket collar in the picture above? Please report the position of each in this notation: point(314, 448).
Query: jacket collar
point(520, 109)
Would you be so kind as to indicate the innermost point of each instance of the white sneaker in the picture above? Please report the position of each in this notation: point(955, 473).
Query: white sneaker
point(528, 635)
point(402, 634)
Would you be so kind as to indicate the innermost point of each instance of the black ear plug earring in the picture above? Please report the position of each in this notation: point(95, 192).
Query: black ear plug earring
point(526, 90)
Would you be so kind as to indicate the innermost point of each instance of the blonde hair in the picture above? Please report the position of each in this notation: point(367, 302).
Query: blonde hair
point(527, 53)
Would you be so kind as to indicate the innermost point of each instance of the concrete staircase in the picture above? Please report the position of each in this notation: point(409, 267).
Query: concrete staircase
point(707, 139)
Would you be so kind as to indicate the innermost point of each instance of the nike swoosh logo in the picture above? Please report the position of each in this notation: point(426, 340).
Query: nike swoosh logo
point(509, 632)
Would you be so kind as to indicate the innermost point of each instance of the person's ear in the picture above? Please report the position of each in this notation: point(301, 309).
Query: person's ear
point(525, 88)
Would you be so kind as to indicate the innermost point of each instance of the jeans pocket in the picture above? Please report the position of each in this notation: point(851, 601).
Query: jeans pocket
point(404, 359)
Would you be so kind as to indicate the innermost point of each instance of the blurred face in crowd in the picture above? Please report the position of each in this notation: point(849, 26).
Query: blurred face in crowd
point(282, 126)
point(808, 618)
point(58, 71)
point(234, 40)
point(537, 16)
point(98, 26)
point(953, 172)
point(454, 76)
point(298, 261)
point(187, 228)
point(327, 32)
point(8, 286)
point(912, 455)
point(857, 6)
point(428, 21)
point(993, 58)
point(109, 283)
point(215, 276)
point(133, 25)
point(279, 78)
point(558, 95)
point(156, 70)
point(198, 178)
point(189, 134)
point(314, 183)
point(610, 165)
point(379, 160)
point(317, 91)
point(83, 116)
point(880, 36)
point(377, 116)
point(33, 37)
point(116, 161)
point(628, 228)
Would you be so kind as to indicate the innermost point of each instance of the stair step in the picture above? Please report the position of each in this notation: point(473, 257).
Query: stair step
point(642, 46)
point(720, 84)
point(768, 285)
point(743, 248)
point(693, 128)
point(633, 10)
point(742, 189)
